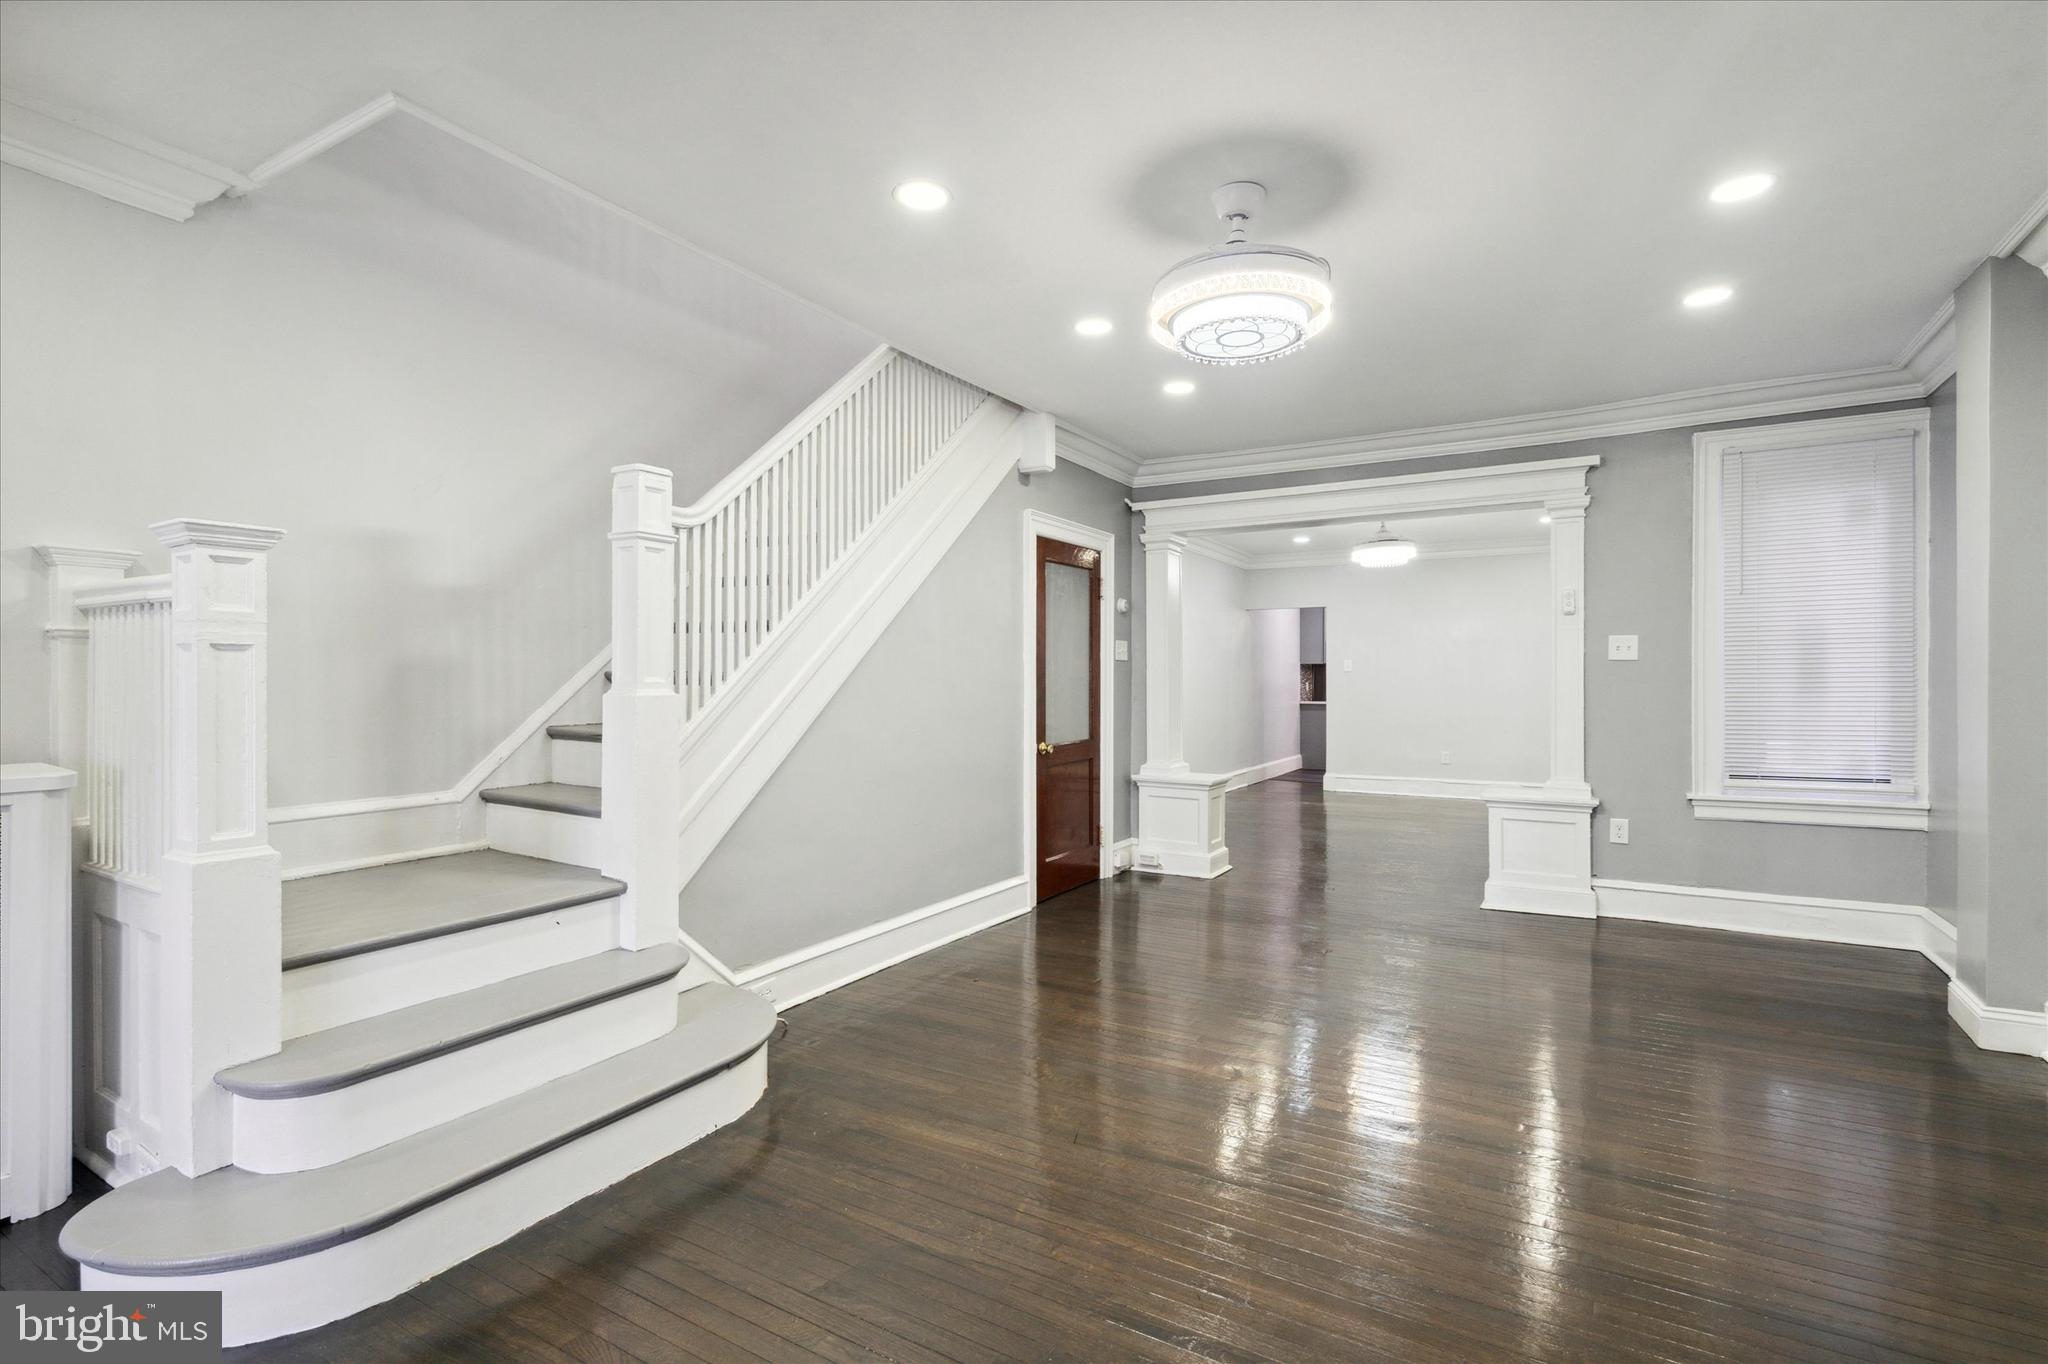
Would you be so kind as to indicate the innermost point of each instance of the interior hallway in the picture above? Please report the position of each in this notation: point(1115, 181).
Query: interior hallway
point(1319, 1108)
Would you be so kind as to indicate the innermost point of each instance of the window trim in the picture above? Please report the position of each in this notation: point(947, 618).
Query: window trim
point(1710, 797)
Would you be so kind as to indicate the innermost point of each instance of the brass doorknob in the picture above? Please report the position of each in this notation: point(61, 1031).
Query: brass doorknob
point(1045, 748)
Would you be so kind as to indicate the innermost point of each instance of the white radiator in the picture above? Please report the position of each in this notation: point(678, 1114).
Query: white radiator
point(35, 988)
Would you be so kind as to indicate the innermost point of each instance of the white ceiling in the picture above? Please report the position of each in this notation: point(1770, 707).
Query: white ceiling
point(1448, 533)
point(1512, 195)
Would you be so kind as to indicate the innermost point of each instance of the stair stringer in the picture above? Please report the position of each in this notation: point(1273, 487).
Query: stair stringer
point(731, 751)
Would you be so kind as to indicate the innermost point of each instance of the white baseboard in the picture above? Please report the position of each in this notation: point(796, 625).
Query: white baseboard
point(1443, 788)
point(1258, 772)
point(1994, 1029)
point(1860, 923)
point(795, 977)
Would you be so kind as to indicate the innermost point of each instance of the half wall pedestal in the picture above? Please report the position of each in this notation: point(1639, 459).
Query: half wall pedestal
point(1539, 845)
point(1180, 823)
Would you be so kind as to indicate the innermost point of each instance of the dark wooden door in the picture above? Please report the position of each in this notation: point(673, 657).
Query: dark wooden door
point(1069, 752)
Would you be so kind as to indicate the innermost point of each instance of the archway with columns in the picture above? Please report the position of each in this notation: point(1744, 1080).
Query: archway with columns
point(1540, 839)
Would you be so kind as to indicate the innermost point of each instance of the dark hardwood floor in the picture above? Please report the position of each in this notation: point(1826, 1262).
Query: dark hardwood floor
point(1321, 1108)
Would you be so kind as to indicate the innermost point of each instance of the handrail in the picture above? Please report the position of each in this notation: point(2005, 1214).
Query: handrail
point(751, 551)
point(154, 588)
point(780, 444)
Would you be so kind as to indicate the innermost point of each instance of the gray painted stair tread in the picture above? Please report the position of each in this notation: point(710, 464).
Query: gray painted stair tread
point(349, 912)
point(559, 796)
point(588, 734)
point(347, 1055)
point(167, 1224)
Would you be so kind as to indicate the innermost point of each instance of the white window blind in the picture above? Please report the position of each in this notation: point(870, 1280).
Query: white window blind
point(1820, 649)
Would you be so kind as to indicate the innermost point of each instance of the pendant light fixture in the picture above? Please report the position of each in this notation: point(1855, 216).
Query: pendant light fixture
point(1241, 302)
point(1383, 549)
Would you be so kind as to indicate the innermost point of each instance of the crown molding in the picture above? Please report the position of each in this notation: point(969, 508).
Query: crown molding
point(2028, 238)
point(1930, 357)
point(1095, 453)
point(1221, 553)
point(105, 159)
point(1696, 407)
point(1257, 563)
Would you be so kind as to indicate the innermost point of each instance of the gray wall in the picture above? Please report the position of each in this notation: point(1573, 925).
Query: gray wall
point(421, 363)
point(1639, 715)
point(909, 788)
point(1941, 654)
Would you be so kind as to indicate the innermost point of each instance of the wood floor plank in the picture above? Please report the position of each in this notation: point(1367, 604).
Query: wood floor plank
point(1319, 1108)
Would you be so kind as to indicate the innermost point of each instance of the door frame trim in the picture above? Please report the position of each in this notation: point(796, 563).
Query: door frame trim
point(1038, 523)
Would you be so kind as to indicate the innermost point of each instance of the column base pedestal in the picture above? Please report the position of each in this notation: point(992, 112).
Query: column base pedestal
point(1540, 851)
point(1180, 824)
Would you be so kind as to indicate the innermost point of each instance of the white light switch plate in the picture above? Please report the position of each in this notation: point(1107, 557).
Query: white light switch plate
point(1617, 831)
point(1622, 647)
point(1123, 651)
point(1347, 665)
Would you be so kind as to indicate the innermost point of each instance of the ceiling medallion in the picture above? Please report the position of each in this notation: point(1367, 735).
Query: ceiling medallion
point(1241, 302)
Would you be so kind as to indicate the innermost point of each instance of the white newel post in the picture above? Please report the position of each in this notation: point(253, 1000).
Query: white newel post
point(643, 712)
point(1180, 813)
point(1540, 842)
point(222, 978)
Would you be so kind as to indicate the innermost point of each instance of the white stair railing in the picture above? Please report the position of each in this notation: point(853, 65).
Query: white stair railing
point(758, 543)
point(183, 961)
point(128, 729)
point(699, 592)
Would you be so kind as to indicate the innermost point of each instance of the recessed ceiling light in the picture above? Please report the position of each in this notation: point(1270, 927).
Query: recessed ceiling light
point(1742, 187)
point(1543, 520)
point(922, 196)
point(1301, 539)
point(1095, 326)
point(1708, 296)
point(1178, 388)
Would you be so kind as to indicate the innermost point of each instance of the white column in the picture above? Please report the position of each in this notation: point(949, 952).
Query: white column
point(1164, 556)
point(1540, 842)
point(1568, 645)
point(69, 571)
point(1180, 813)
point(643, 712)
point(222, 945)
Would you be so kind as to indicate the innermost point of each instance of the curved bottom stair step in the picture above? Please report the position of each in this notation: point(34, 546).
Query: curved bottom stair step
point(332, 1095)
point(291, 1251)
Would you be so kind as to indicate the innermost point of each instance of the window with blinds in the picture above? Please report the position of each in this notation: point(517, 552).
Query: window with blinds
point(1812, 572)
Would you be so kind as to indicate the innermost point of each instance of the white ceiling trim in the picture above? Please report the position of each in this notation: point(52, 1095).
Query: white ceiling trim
point(1092, 452)
point(1536, 483)
point(1203, 545)
point(110, 161)
point(2028, 238)
point(1699, 407)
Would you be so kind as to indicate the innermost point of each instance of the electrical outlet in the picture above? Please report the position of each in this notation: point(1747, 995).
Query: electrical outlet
point(763, 989)
point(1444, 757)
point(1621, 648)
point(1123, 651)
point(1617, 831)
point(1347, 665)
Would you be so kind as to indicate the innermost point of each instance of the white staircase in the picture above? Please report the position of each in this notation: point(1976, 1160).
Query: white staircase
point(370, 1075)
